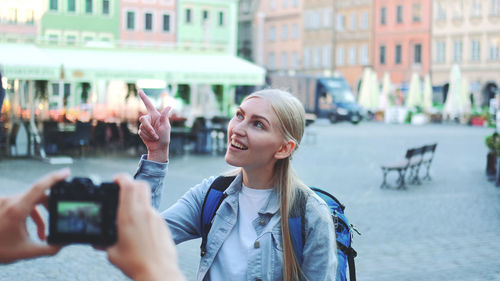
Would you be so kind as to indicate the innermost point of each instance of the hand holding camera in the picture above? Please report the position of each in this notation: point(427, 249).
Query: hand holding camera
point(117, 214)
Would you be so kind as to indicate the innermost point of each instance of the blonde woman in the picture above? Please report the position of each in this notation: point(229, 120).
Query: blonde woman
point(250, 237)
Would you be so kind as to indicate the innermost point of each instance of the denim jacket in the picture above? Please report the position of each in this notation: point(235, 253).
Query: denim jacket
point(266, 258)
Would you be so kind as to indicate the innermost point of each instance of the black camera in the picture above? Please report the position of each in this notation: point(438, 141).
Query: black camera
point(82, 212)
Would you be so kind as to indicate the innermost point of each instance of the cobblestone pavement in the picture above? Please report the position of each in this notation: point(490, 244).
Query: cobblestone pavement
point(445, 229)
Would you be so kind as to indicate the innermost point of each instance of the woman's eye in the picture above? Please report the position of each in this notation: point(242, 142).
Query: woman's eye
point(239, 115)
point(259, 125)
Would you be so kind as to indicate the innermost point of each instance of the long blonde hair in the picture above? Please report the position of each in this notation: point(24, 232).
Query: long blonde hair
point(291, 116)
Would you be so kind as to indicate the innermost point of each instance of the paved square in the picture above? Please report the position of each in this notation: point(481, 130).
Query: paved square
point(445, 229)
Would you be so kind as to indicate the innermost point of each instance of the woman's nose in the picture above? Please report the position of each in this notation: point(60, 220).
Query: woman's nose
point(239, 128)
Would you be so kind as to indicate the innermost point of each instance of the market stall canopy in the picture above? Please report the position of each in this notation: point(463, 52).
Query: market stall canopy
point(25, 61)
point(132, 65)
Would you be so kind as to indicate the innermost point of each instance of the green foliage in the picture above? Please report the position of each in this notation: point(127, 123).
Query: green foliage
point(490, 142)
point(184, 92)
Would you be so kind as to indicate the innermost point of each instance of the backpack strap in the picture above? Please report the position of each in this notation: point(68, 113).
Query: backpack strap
point(214, 197)
point(351, 254)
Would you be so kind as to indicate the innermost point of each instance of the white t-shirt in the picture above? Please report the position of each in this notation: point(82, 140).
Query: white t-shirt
point(232, 260)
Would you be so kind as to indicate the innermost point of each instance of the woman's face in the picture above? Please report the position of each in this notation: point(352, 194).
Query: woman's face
point(254, 136)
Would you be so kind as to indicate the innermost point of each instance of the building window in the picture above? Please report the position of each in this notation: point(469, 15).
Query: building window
point(284, 32)
point(285, 4)
point(148, 21)
point(440, 51)
point(30, 17)
point(188, 15)
point(417, 56)
point(397, 55)
point(245, 7)
point(327, 56)
point(364, 54)
point(308, 19)
point(53, 38)
point(12, 15)
point(383, 15)
point(399, 14)
point(440, 11)
point(71, 40)
point(327, 18)
point(105, 7)
point(417, 12)
point(272, 5)
point(53, 5)
point(316, 19)
point(457, 51)
point(495, 7)
point(271, 64)
point(295, 60)
point(166, 23)
point(295, 31)
point(475, 50)
point(272, 33)
point(295, 3)
point(204, 16)
point(340, 56)
point(353, 22)
point(221, 19)
point(476, 8)
point(381, 58)
point(317, 57)
point(307, 58)
point(88, 6)
point(284, 60)
point(494, 49)
point(340, 22)
point(130, 20)
point(71, 6)
point(458, 9)
point(352, 55)
point(364, 21)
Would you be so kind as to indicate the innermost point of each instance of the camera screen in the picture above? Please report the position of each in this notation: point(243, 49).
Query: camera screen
point(79, 217)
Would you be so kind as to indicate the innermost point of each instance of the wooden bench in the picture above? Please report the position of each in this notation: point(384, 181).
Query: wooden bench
point(410, 166)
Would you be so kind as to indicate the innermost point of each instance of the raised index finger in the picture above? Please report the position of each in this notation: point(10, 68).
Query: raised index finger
point(149, 105)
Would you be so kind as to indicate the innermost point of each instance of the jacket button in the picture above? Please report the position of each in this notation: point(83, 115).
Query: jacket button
point(262, 221)
point(256, 245)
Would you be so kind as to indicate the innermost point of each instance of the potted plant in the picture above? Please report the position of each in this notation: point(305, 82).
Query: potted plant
point(491, 159)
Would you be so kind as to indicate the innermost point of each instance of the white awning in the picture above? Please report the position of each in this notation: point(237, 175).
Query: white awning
point(132, 65)
point(24, 61)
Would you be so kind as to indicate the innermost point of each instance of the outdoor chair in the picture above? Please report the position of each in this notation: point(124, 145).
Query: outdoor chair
point(400, 167)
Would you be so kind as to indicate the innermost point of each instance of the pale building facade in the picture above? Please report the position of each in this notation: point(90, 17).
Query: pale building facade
point(467, 33)
point(319, 37)
point(147, 22)
point(278, 27)
point(353, 39)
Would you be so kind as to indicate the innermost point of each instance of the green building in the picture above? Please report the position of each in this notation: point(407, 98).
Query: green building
point(210, 23)
point(75, 22)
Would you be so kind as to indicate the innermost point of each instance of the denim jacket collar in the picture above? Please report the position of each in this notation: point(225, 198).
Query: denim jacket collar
point(272, 205)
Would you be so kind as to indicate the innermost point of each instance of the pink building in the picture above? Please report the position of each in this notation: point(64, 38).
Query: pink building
point(402, 32)
point(148, 22)
point(279, 35)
